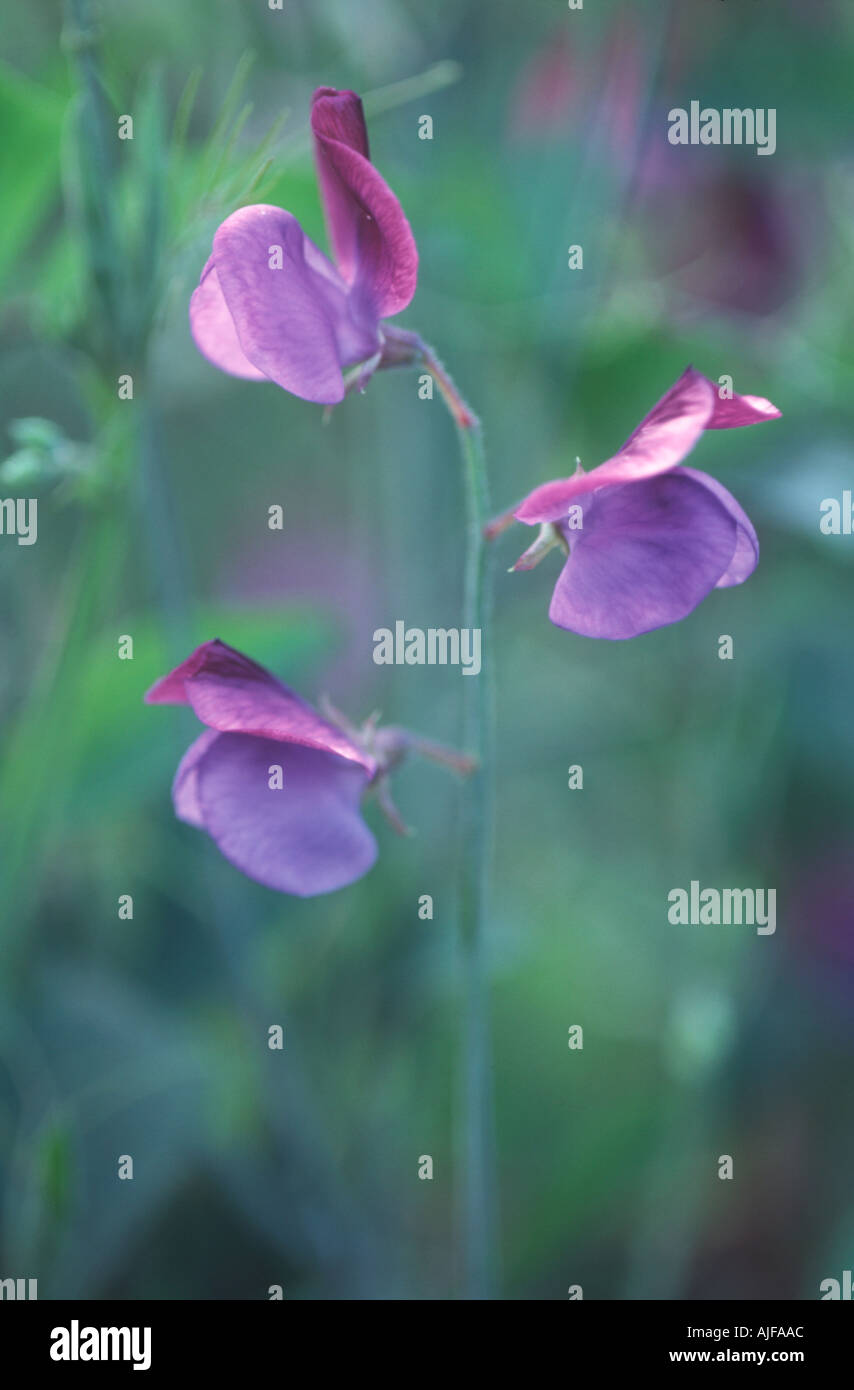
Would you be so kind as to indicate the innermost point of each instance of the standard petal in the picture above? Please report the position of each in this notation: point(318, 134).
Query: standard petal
point(646, 555)
point(373, 242)
point(306, 837)
point(295, 321)
point(746, 556)
point(213, 328)
point(185, 789)
point(338, 116)
point(232, 694)
point(660, 442)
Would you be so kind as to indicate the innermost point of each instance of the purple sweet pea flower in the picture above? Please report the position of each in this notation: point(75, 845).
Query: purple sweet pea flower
point(306, 836)
point(646, 538)
point(270, 306)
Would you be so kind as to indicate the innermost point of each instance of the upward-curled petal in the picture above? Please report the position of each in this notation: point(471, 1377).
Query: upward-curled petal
point(735, 411)
point(663, 438)
point(372, 239)
point(232, 694)
point(339, 117)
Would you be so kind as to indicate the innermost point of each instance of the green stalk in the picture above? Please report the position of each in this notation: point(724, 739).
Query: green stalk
point(165, 556)
point(478, 1196)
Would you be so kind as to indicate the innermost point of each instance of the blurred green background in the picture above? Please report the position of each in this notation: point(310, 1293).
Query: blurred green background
point(149, 1037)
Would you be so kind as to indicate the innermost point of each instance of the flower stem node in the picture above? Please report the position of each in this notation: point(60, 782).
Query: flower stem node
point(548, 537)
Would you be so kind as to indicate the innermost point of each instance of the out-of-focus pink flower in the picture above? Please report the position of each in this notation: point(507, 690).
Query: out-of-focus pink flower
point(271, 306)
point(547, 91)
point(724, 237)
point(566, 89)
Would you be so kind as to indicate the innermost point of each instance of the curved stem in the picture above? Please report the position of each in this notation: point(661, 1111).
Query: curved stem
point(478, 1197)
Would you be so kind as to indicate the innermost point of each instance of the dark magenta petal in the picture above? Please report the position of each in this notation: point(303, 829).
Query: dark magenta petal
point(294, 323)
point(338, 117)
point(660, 442)
point(306, 837)
point(374, 247)
point(232, 694)
point(746, 556)
point(646, 555)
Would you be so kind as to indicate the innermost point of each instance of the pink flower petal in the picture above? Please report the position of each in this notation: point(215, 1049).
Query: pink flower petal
point(373, 242)
point(232, 694)
point(185, 787)
point(660, 442)
point(296, 323)
point(741, 410)
point(213, 328)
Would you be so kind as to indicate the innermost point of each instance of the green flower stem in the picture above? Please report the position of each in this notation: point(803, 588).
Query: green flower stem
point(478, 1195)
point(165, 555)
point(38, 761)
